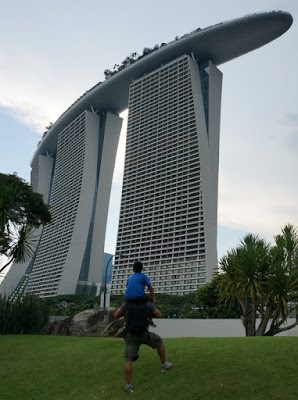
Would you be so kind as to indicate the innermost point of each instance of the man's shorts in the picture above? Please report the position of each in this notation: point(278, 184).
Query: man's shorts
point(133, 342)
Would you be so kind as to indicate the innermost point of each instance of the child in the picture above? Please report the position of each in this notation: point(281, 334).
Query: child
point(135, 287)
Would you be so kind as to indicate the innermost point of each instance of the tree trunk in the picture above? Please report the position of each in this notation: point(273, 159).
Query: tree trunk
point(275, 329)
point(249, 324)
point(264, 321)
point(247, 318)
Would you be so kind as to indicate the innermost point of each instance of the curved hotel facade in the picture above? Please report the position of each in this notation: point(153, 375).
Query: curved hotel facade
point(168, 216)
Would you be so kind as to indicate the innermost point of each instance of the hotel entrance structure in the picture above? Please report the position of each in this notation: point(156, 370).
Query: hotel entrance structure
point(168, 216)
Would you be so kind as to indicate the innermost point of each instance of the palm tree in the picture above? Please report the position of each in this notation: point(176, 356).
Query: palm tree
point(22, 248)
point(21, 211)
point(288, 241)
point(263, 279)
point(243, 277)
point(283, 279)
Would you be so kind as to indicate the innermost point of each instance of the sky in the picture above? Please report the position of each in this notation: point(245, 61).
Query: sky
point(52, 52)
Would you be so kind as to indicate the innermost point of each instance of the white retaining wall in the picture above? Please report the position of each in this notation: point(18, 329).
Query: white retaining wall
point(174, 328)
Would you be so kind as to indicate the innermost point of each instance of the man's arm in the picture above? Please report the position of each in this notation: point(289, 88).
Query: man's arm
point(152, 293)
point(157, 314)
point(118, 313)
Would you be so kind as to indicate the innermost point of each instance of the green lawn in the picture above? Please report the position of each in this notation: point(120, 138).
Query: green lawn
point(76, 368)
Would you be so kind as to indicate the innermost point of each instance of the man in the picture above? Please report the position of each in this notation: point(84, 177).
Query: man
point(136, 333)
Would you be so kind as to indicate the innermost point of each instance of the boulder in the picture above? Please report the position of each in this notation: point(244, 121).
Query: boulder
point(94, 322)
point(58, 327)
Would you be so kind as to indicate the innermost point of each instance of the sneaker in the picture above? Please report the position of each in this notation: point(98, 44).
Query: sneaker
point(166, 366)
point(152, 324)
point(128, 388)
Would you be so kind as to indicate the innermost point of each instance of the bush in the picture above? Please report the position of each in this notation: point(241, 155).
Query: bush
point(26, 316)
point(71, 304)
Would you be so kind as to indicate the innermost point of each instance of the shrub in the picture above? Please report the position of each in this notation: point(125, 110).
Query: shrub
point(26, 316)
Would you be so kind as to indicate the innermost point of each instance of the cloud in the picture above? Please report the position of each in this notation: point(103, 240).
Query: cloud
point(33, 105)
point(290, 142)
point(35, 91)
point(290, 118)
point(256, 207)
point(289, 139)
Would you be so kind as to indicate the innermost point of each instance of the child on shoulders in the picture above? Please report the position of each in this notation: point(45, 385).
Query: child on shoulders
point(135, 287)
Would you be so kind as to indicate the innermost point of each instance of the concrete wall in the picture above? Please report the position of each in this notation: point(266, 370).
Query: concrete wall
point(175, 328)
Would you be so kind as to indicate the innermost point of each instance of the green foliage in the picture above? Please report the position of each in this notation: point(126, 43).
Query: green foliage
point(212, 305)
point(128, 61)
point(28, 315)
point(89, 368)
point(71, 304)
point(192, 314)
point(19, 204)
point(170, 306)
point(116, 300)
point(21, 210)
point(186, 309)
point(135, 57)
point(205, 303)
point(263, 279)
point(125, 63)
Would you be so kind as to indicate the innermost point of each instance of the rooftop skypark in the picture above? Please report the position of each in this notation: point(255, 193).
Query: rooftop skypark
point(218, 43)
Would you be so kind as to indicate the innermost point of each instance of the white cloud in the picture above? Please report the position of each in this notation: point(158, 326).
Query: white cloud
point(37, 89)
point(258, 207)
point(290, 118)
point(31, 101)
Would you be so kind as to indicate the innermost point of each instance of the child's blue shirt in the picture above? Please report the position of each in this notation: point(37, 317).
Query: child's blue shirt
point(135, 285)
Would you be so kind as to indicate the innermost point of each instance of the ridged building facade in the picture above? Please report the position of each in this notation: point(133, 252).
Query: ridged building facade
point(168, 216)
point(76, 182)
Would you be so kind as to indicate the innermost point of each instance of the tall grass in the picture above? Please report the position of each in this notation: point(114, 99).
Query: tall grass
point(28, 315)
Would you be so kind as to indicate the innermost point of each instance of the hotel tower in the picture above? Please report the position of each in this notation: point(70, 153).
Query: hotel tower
point(168, 216)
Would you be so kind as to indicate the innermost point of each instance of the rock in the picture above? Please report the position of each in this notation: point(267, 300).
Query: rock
point(94, 322)
point(58, 327)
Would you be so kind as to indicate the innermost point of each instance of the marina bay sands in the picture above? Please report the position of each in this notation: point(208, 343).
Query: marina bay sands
point(168, 215)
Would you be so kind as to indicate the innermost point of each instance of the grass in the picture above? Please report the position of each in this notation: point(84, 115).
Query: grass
point(81, 368)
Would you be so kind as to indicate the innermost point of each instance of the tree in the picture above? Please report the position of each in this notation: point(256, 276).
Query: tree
point(170, 306)
point(21, 211)
point(203, 303)
point(186, 309)
point(263, 280)
point(71, 304)
point(211, 305)
point(192, 314)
